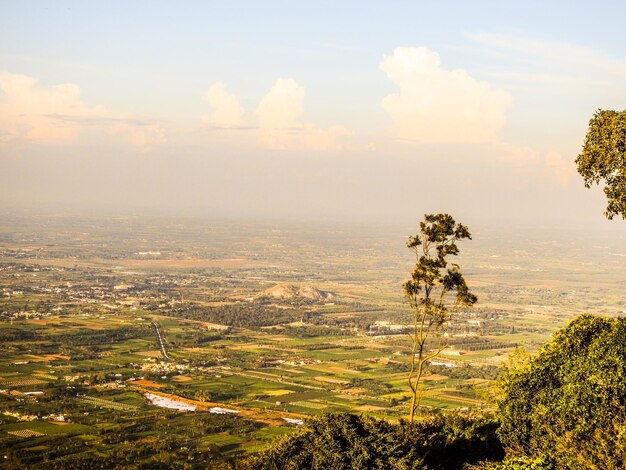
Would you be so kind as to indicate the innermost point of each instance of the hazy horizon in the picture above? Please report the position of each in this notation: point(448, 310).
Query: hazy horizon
point(357, 112)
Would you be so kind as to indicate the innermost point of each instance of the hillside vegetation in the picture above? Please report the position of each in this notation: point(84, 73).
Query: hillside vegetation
point(562, 409)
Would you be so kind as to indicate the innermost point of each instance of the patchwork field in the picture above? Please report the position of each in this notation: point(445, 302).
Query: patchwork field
point(88, 328)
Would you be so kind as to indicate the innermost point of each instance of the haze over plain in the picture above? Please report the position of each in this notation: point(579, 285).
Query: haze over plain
point(361, 111)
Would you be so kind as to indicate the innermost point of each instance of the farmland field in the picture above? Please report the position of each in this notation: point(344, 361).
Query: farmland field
point(274, 323)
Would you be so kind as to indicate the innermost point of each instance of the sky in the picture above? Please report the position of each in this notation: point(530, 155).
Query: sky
point(352, 110)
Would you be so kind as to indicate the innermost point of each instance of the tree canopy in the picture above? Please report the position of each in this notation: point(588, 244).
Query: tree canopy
point(603, 158)
point(567, 405)
point(348, 441)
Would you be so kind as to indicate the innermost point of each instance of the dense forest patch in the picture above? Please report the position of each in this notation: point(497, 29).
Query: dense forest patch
point(338, 441)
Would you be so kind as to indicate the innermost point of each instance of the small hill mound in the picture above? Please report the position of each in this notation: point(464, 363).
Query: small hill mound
point(315, 294)
point(281, 291)
point(288, 291)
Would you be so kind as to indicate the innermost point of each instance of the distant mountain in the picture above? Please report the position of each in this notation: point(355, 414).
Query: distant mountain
point(289, 291)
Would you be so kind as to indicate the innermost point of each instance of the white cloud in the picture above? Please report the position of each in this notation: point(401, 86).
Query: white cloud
point(28, 110)
point(280, 124)
point(227, 111)
point(282, 107)
point(561, 52)
point(33, 112)
point(280, 119)
point(438, 105)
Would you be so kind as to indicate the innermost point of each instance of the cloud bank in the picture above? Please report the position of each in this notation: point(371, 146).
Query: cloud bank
point(438, 105)
point(280, 124)
point(33, 112)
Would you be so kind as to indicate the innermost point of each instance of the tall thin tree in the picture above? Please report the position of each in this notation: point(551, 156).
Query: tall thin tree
point(428, 291)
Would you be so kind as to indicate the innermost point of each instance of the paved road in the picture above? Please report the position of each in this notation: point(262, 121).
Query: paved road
point(157, 330)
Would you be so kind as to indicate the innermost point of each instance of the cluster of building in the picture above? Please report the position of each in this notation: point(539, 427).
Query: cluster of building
point(159, 367)
point(25, 417)
point(107, 291)
point(272, 361)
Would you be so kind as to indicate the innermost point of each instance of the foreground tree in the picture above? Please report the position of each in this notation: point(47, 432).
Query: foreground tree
point(348, 441)
point(567, 406)
point(432, 283)
point(603, 158)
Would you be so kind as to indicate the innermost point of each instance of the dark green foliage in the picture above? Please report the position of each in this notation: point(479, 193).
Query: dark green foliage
point(165, 441)
point(567, 404)
point(603, 158)
point(313, 331)
point(238, 315)
point(372, 386)
point(347, 441)
point(466, 371)
point(521, 463)
point(16, 334)
point(87, 337)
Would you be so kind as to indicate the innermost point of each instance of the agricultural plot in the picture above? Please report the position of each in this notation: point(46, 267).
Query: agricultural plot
point(42, 428)
point(22, 382)
point(107, 403)
point(75, 327)
point(26, 433)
